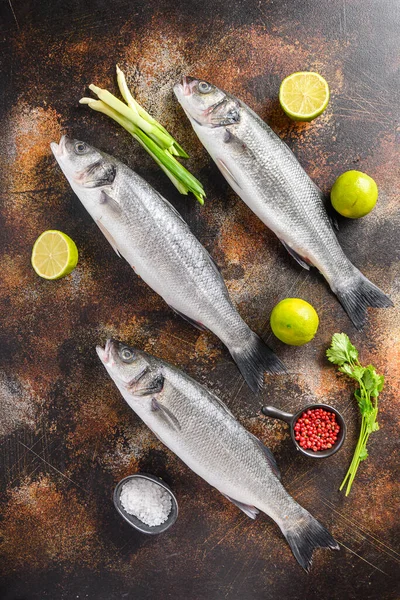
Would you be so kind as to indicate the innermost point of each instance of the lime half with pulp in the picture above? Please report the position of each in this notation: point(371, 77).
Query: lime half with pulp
point(54, 255)
point(304, 95)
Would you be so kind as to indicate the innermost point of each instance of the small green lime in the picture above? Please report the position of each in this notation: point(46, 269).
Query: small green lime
point(294, 321)
point(354, 194)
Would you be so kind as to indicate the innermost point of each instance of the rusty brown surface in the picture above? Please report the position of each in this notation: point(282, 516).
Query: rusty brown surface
point(66, 435)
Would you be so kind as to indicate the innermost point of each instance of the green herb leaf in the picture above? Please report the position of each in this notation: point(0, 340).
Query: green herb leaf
point(372, 381)
point(341, 350)
point(364, 403)
point(346, 369)
point(343, 353)
point(358, 372)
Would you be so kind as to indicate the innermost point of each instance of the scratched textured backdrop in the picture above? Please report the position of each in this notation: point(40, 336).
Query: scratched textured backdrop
point(66, 435)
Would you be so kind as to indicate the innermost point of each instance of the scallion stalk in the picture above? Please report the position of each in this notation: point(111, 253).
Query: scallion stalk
point(148, 132)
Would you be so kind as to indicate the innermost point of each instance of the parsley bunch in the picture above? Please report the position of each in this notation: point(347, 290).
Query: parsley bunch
point(343, 353)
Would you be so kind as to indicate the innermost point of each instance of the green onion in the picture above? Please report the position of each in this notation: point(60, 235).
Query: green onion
point(154, 138)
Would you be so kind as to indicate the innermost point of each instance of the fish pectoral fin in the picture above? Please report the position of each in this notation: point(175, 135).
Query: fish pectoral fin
point(296, 256)
point(250, 511)
point(269, 456)
point(108, 237)
point(189, 320)
point(223, 405)
point(226, 172)
point(166, 414)
point(106, 197)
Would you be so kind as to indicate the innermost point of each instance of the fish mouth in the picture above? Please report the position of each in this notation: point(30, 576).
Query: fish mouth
point(105, 353)
point(185, 86)
point(59, 149)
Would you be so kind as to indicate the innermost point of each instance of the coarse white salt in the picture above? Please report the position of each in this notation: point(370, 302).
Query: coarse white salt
point(146, 500)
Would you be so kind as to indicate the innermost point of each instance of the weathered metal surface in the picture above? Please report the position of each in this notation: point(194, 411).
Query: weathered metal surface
point(66, 435)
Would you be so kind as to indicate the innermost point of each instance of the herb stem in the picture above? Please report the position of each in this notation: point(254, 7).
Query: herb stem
point(343, 353)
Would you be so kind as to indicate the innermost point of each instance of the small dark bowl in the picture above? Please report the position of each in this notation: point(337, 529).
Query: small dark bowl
point(275, 413)
point(134, 521)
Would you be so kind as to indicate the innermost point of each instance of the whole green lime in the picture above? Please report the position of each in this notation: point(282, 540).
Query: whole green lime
point(354, 194)
point(294, 321)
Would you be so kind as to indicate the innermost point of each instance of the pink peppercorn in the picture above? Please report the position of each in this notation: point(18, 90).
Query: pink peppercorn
point(316, 429)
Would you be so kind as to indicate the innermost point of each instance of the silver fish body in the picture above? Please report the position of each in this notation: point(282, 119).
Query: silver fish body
point(264, 172)
point(149, 233)
point(200, 429)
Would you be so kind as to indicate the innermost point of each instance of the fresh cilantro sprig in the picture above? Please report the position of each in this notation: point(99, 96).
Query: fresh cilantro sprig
point(345, 355)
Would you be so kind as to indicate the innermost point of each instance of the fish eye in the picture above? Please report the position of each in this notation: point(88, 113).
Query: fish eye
point(204, 87)
point(126, 355)
point(80, 147)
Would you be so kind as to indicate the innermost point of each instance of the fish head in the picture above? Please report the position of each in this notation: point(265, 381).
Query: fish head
point(124, 364)
point(205, 104)
point(83, 165)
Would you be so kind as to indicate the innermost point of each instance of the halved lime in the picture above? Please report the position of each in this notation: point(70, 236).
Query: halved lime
point(304, 95)
point(54, 255)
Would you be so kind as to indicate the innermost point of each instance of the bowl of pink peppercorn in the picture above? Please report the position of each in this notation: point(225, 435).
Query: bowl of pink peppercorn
point(318, 430)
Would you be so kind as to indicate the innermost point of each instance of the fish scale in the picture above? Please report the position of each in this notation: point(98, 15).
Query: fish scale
point(198, 427)
point(151, 235)
point(264, 172)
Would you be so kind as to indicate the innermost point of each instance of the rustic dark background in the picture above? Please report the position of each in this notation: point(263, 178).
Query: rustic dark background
point(66, 435)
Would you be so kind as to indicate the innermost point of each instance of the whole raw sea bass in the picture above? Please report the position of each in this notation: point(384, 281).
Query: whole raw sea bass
point(264, 172)
point(150, 234)
point(202, 431)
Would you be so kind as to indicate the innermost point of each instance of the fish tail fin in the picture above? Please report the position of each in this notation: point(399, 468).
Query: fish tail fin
point(253, 359)
point(305, 535)
point(358, 295)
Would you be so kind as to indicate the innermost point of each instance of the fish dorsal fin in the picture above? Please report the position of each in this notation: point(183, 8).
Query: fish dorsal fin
point(227, 173)
point(270, 457)
point(250, 511)
point(329, 210)
point(296, 256)
point(215, 267)
point(167, 415)
point(223, 405)
point(172, 208)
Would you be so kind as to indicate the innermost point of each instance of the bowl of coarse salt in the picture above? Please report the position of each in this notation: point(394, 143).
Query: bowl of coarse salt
point(146, 503)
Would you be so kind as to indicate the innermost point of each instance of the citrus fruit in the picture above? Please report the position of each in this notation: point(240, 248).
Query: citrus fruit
point(294, 321)
point(304, 95)
point(354, 194)
point(54, 255)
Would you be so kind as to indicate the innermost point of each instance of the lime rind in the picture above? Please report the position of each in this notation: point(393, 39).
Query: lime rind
point(294, 321)
point(51, 267)
point(354, 194)
point(295, 103)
